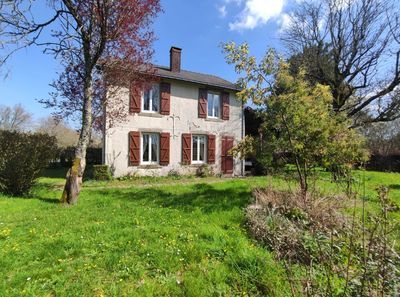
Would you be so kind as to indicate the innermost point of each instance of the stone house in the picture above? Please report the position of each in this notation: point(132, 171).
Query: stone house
point(186, 120)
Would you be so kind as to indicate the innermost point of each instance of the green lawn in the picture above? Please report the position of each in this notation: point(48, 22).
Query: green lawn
point(144, 237)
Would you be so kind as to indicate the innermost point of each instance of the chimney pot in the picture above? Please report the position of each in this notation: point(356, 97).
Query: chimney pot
point(175, 59)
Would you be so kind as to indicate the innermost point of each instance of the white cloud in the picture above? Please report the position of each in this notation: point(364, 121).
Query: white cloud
point(222, 11)
point(237, 2)
point(256, 13)
point(285, 21)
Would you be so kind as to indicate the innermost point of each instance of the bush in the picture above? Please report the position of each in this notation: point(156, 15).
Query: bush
point(22, 158)
point(204, 170)
point(285, 222)
point(360, 259)
point(101, 172)
point(174, 173)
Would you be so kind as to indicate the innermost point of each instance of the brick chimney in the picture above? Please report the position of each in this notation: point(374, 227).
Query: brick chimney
point(175, 59)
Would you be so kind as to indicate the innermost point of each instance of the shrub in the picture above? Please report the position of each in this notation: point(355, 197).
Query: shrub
point(23, 156)
point(101, 172)
point(174, 173)
point(331, 247)
point(130, 176)
point(285, 222)
point(204, 170)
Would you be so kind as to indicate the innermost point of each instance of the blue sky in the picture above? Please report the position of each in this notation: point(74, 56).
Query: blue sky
point(198, 27)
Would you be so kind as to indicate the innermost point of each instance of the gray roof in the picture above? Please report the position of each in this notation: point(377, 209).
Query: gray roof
point(195, 77)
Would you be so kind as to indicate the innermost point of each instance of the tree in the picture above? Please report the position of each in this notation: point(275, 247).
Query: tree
point(353, 47)
point(383, 138)
point(298, 122)
point(14, 118)
point(65, 135)
point(100, 43)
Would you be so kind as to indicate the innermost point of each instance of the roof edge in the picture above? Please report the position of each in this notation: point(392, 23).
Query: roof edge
point(174, 77)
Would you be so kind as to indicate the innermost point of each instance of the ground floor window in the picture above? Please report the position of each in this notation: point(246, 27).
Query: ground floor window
point(150, 148)
point(199, 149)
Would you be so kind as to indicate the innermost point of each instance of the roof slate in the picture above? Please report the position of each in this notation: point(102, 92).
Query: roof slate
point(195, 77)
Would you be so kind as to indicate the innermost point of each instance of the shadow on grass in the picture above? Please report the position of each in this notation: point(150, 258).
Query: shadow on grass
point(48, 200)
point(34, 197)
point(201, 196)
point(394, 187)
point(61, 172)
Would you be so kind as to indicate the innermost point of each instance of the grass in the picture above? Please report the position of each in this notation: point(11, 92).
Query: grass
point(144, 237)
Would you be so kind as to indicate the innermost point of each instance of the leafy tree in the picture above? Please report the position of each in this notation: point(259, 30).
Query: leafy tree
point(297, 117)
point(353, 47)
point(98, 42)
point(14, 118)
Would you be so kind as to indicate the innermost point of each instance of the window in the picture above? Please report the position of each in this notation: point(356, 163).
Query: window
point(151, 99)
point(150, 148)
point(214, 105)
point(198, 149)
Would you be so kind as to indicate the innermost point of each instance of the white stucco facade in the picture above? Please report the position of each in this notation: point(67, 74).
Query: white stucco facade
point(183, 118)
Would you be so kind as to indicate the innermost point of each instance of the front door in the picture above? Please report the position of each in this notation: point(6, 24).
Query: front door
point(226, 157)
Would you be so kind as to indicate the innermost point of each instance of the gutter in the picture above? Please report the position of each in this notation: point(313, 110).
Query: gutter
point(197, 82)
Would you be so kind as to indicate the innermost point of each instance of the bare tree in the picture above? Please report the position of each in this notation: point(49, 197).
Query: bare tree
point(14, 118)
point(89, 37)
point(65, 135)
point(383, 138)
point(354, 47)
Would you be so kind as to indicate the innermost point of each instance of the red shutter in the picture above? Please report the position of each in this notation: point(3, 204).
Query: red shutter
point(223, 154)
point(186, 148)
point(134, 148)
point(229, 157)
point(164, 149)
point(165, 95)
point(226, 157)
point(211, 149)
point(135, 98)
point(202, 103)
point(225, 106)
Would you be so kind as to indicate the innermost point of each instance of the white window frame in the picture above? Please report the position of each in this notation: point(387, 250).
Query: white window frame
point(151, 99)
point(213, 116)
point(150, 152)
point(198, 161)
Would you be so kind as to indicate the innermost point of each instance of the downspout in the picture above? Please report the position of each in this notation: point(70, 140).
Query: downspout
point(104, 141)
point(243, 123)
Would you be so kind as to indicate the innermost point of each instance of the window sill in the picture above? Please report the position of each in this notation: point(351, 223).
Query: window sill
point(196, 165)
point(150, 114)
point(149, 166)
point(214, 120)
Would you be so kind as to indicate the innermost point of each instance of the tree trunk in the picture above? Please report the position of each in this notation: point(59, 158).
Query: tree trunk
point(74, 176)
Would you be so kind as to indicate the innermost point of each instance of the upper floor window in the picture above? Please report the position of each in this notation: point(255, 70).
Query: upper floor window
point(151, 99)
point(150, 148)
point(214, 105)
point(198, 149)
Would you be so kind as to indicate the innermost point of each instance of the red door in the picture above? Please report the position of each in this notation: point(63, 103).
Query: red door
point(226, 157)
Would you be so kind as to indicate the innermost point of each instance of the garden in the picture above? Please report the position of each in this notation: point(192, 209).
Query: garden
point(147, 237)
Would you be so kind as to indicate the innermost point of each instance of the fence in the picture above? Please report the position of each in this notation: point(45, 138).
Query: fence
point(389, 163)
point(66, 156)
